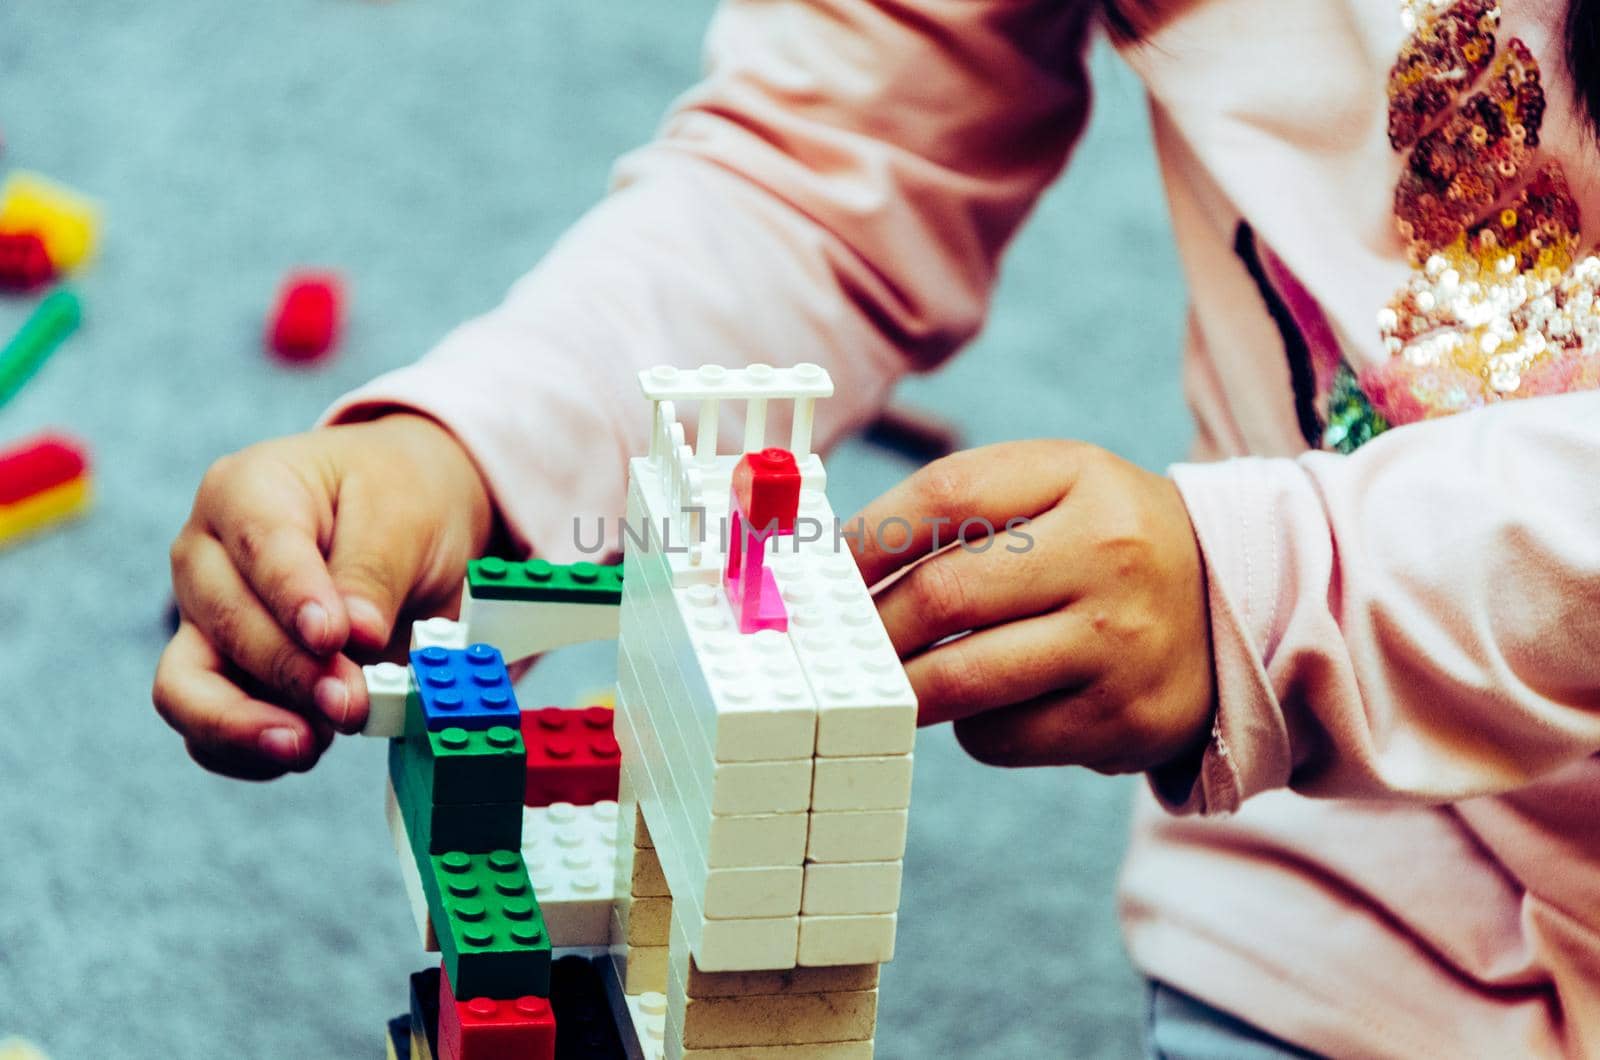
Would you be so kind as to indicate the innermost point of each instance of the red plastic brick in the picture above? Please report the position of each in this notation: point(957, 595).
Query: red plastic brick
point(24, 261)
point(305, 323)
point(482, 1028)
point(767, 488)
point(572, 756)
point(38, 463)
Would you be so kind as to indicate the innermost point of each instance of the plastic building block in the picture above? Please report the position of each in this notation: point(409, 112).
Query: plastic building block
point(491, 932)
point(388, 685)
point(572, 756)
point(830, 940)
point(865, 705)
point(763, 503)
point(410, 874)
point(43, 480)
point(648, 1015)
point(584, 1027)
point(766, 491)
point(67, 221)
point(440, 633)
point(851, 888)
point(24, 261)
point(541, 580)
point(867, 783)
point(305, 322)
point(52, 320)
point(755, 381)
point(522, 628)
point(439, 827)
point(46, 509)
point(39, 463)
point(397, 1038)
point(571, 852)
point(425, 1010)
point(483, 1028)
point(857, 835)
point(474, 766)
point(469, 688)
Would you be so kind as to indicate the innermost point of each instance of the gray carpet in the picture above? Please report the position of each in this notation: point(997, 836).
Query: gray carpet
point(431, 150)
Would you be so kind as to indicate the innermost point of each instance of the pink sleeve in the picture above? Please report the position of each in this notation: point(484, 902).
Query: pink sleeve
point(1419, 620)
point(838, 189)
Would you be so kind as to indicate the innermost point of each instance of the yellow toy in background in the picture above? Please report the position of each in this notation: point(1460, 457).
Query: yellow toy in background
point(67, 221)
point(20, 1049)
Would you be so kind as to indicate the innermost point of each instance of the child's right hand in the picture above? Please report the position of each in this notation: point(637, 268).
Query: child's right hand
point(299, 554)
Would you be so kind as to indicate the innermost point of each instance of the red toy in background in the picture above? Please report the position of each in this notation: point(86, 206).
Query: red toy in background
point(305, 323)
point(24, 261)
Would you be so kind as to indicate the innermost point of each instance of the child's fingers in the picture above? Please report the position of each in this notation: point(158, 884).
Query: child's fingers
point(375, 562)
point(216, 599)
point(225, 728)
point(284, 567)
point(962, 589)
point(981, 489)
point(1010, 663)
point(271, 520)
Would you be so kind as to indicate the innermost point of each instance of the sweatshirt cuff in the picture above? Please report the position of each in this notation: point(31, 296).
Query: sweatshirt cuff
point(1233, 515)
point(554, 441)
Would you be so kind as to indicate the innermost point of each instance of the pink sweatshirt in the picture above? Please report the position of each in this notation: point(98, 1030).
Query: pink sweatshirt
point(1379, 208)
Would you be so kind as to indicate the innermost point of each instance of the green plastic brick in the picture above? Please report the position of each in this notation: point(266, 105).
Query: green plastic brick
point(476, 827)
point(53, 320)
point(463, 766)
point(491, 933)
point(541, 580)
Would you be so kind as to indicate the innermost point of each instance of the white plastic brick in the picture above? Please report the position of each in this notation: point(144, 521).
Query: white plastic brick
point(571, 855)
point(832, 940)
point(438, 633)
point(857, 835)
point(723, 841)
point(872, 783)
point(388, 684)
point(780, 786)
point(719, 945)
point(747, 694)
point(410, 875)
point(851, 888)
point(522, 628)
point(759, 381)
point(865, 705)
point(648, 1013)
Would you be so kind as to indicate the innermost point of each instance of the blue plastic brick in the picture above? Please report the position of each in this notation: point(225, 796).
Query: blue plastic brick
point(466, 689)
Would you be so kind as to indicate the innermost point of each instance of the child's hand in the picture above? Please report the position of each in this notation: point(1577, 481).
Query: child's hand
point(1092, 642)
point(299, 553)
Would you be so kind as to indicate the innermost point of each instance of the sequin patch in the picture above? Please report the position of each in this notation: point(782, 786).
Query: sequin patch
point(1499, 306)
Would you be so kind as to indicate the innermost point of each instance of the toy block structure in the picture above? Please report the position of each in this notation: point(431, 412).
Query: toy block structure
point(730, 836)
point(66, 221)
point(44, 479)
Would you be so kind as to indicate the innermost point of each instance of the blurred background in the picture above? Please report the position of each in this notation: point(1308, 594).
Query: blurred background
point(430, 152)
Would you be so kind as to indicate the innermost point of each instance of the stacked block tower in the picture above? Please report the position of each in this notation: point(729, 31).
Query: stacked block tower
point(724, 849)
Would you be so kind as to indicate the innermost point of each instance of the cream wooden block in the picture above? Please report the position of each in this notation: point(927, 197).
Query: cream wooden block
point(770, 1019)
point(648, 881)
point(851, 888)
point(829, 940)
point(700, 982)
point(820, 1051)
point(869, 835)
point(643, 921)
point(875, 783)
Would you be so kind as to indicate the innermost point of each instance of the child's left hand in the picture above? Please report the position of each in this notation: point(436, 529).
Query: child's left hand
point(1091, 639)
